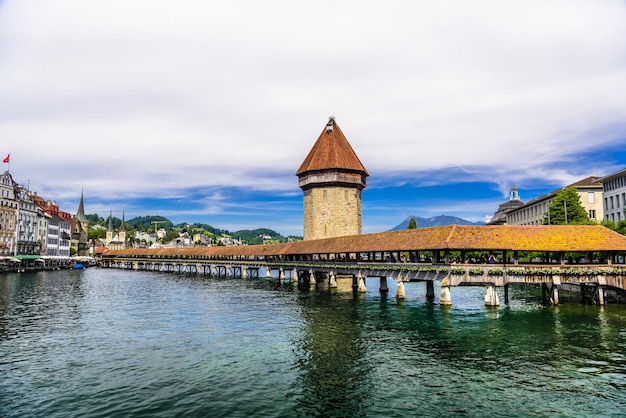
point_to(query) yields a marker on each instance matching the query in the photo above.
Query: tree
(566, 209)
(412, 224)
(620, 227)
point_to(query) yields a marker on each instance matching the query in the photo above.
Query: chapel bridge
(588, 259)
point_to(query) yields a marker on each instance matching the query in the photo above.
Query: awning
(27, 257)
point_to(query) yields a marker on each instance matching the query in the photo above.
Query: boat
(78, 266)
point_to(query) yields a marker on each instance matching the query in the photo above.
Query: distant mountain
(440, 220)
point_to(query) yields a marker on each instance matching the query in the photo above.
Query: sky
(202, 111)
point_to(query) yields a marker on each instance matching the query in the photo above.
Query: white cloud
(151, 98)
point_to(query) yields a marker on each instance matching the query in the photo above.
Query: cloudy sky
(202, 111)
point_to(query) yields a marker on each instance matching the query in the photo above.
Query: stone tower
(332, 178)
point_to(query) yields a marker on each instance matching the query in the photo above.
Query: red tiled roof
(331, 151)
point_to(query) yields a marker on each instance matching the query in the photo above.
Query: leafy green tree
(95, 219)
(412, 224)
(566, 209)
(95, 234)
(620, 227)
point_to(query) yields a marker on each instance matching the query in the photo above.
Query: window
(591, 198)
(592, 214)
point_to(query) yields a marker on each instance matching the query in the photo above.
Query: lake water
(116, 343)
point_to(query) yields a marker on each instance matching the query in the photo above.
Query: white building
(533, 212)
(27, 231)
(614, 196)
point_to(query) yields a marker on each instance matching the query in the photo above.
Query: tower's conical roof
(331, 151)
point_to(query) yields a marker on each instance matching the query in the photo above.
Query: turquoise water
(113, 343)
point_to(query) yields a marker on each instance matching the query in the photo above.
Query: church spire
(80, 213)
(111, 221)
(123, 226)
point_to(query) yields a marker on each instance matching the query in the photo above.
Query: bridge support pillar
(383, 285)
(445, 298)
(361, 287)
(430, 290)
(295, 275)
(400, 288)
(491, 297)
(550, 293)
(592, 293)
(600, 295)
(506, 293)
(244, 272)
(268, 273)
(555, 294)
(281, 274)
(332, 280)
(312, 281)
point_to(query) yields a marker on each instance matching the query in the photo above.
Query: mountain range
(440, 220)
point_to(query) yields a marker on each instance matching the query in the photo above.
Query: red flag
(6, 159)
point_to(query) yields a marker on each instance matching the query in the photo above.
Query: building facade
(534, 212)
(8, 214)
(115, 240)
(614, 196)
(332, 178)
(27, 228)
(58, 224)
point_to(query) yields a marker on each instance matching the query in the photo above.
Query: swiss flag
(6, 159)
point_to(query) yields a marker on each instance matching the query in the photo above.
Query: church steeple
(123, 226)
(122, 232)
(109, 237)
(80, 213)
(80, 233)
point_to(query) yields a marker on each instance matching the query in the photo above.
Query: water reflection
(116, 343)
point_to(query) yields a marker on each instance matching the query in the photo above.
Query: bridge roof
(468, 237)
(575, 238)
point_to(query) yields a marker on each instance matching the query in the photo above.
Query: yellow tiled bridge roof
(553, 238)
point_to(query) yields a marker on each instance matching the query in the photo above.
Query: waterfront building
(514, 202)
(332, 178)
(8, 214)
(533, 212)
(58, 227)
(614, 196)
(27, 227)
(80, 230)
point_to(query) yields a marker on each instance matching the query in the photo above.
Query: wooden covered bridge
(588, 258)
